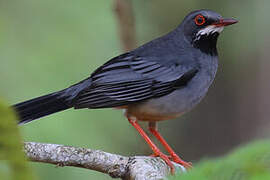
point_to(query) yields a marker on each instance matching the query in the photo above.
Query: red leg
(174, 156)
(155, 149)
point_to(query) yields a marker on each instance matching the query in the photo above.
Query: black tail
(41, 106)
(49, 104)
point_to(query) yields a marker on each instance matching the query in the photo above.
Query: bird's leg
(174, 157)
(155, 149)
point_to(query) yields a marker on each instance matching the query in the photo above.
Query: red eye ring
(199, 20)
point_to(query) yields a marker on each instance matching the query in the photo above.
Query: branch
(126, 24)
(117, 166)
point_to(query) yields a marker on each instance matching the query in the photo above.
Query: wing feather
(131, 79)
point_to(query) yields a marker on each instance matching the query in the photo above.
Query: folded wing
(128, 79)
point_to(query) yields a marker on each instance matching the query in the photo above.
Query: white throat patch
(211, 29)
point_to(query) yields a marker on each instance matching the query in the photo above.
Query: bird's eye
(199, 20)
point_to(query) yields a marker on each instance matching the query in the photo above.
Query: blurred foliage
(48, 45)
(13, 165)
(251, 162)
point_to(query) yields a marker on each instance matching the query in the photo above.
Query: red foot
(155, 149)
(175, 158)
(166, 159)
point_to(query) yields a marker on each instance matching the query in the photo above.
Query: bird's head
(202, 28)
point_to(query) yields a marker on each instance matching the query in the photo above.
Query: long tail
(49, 104)
(41, 106)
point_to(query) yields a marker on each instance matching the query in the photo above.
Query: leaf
(251, 162)
(13, 164)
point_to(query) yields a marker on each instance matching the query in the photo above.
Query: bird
(160, 80)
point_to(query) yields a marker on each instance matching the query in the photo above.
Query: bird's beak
(225, 22)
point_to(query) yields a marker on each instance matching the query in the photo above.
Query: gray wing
(128, 79)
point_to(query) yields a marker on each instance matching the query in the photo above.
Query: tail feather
(49, 104)
(41, 106)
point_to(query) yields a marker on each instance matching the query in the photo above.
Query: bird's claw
(175, 158)
(166, 159)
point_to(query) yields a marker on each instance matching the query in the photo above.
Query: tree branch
(126, 23)
(117, 166)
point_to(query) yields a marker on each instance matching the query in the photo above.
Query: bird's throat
(207, 43)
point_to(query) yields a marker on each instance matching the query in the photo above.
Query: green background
(46, 46)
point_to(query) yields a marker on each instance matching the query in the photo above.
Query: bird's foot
(166, 159)
(175, 158)
(154, 155)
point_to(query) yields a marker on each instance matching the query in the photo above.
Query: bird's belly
(171, 105)
(146, 113)
(167, 107)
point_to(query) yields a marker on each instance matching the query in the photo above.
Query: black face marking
(200, 31)
(207, 44)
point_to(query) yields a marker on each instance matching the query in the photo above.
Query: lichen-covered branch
(126, 23)
(117, 166)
